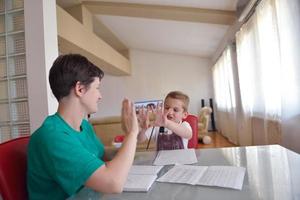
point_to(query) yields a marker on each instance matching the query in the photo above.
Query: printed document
(221, 176)
(139, 182)
(141, 177)
(145, 169)
(178, 156)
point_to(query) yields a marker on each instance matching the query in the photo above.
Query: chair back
(13, 169)
(193, 121)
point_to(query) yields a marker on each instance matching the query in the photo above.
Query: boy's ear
(185, 114)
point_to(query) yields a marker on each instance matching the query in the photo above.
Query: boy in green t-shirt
(64, 154)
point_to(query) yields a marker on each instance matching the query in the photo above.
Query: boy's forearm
(179, 130)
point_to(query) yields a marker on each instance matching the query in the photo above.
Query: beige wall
(153, 76)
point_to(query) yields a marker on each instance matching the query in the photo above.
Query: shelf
(12, 11)
(12, 55)
(14, 100)
(14, 109)
(13, 77)
(11, 33)
(14, 123)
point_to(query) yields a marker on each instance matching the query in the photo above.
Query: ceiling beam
(109, 37)
(74, 37)
(162, 12)
(83, 15)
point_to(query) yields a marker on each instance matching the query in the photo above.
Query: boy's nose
(170, 111)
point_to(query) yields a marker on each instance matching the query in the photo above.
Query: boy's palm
(160, 118)
(143, 118)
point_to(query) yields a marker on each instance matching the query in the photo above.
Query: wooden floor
(218, 141)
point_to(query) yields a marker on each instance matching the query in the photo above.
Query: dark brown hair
(67, 70)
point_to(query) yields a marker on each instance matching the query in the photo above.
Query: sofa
(107, 128)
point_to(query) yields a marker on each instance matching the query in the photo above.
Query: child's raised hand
(161, 117)
(143, 118)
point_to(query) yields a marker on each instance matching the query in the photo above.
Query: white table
(272, 172)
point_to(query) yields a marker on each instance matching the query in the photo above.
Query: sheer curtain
(288, 15)
(226, 93)
(260, 75)
(265, 107)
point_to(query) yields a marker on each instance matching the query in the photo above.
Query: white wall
(41, 50)
(153, 76)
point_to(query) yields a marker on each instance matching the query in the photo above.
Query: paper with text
(221, 176)
(188, 174)
(178, 156)
(139, 182)
(145, 169)
(141, 177)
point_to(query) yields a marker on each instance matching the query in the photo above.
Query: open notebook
(141, 177)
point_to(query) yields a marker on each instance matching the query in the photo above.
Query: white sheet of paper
(178, 156)
(221, 176)
(141, 177)
(145, 169)
(139, 182)
(183, 174)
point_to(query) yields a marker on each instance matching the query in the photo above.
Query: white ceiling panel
(168, 36)
(186, 38)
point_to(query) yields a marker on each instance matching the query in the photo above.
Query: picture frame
(149, 105)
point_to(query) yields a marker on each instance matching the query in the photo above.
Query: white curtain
(267, 109)
(259, 69)
(226, 93)
(288, 15)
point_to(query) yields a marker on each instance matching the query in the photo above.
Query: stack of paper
(141, 177)
(179, 156)
(221, 176)
(145, 169)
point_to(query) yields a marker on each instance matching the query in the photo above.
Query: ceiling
(160, 30)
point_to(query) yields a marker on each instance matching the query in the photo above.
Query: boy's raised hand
(143, 118)
(129, 119)
(161, 117)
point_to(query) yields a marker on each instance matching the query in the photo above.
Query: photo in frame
(149, 105)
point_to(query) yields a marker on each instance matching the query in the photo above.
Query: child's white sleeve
(186, 141)
(186, 124)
